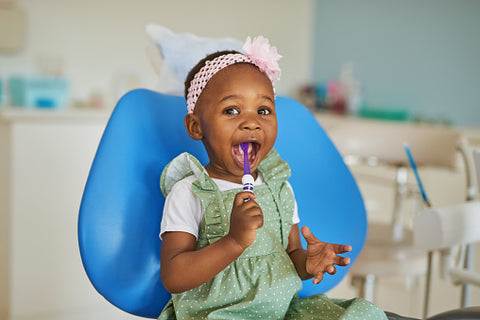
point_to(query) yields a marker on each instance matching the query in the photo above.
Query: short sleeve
(296, 218)
(182, 210)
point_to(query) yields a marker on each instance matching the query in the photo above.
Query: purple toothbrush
(247, 178)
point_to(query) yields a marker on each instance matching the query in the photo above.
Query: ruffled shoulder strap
(182, 166)
(275, 172)
(274, 169)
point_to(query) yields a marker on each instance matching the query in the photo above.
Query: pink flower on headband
(264, 56)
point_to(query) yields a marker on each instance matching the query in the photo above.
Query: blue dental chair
(121, 209)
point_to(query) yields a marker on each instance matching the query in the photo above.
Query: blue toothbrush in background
(417, 176)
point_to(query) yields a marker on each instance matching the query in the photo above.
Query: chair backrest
(121, 209)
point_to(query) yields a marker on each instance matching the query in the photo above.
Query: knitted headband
(257, 52)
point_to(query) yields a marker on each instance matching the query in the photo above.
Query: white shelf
(15, 114)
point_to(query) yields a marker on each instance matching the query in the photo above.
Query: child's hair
(201, 64)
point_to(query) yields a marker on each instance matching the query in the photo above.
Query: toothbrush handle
(247, 181)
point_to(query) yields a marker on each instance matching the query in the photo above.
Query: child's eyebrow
(267, 97)
(231, 96)
(235, 96)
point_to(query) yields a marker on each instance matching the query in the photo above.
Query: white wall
(419, 55)
(98, 40)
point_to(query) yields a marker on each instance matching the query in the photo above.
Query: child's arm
(319, 257)
(184, 268)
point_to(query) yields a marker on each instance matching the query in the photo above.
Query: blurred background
(419, 58)
(64, 64)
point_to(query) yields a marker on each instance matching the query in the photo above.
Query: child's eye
(264, 111)
(230, 111)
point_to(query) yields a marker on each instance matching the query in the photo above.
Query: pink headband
(257, 52)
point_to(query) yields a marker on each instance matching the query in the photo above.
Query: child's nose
(250, 124)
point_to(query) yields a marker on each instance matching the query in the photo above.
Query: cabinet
(45, 157)
(377, 185)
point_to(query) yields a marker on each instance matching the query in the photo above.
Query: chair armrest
(446, 227)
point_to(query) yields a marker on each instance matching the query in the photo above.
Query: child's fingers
(340, 248)
(342, 261)
(318, 273)
(310, 238)
(331, 270)
(320, 269)
(318, 278)
(258, 221)
(249, 209)
(308, 235)
(242, 196)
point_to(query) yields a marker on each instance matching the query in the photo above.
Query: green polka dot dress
(262, 283)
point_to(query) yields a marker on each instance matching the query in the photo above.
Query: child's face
(236, 106)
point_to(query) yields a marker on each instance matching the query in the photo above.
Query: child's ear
(192, 124)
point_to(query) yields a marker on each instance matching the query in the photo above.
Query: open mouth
(253, 148)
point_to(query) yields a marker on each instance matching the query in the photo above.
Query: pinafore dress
(262, 283)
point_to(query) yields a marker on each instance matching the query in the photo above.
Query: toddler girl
(228, 254)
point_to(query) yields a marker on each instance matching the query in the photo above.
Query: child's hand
(246, 218)
(321, 256)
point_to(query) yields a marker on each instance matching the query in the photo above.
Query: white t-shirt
(183, 210)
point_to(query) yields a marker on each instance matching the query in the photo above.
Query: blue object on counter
(38, 91)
